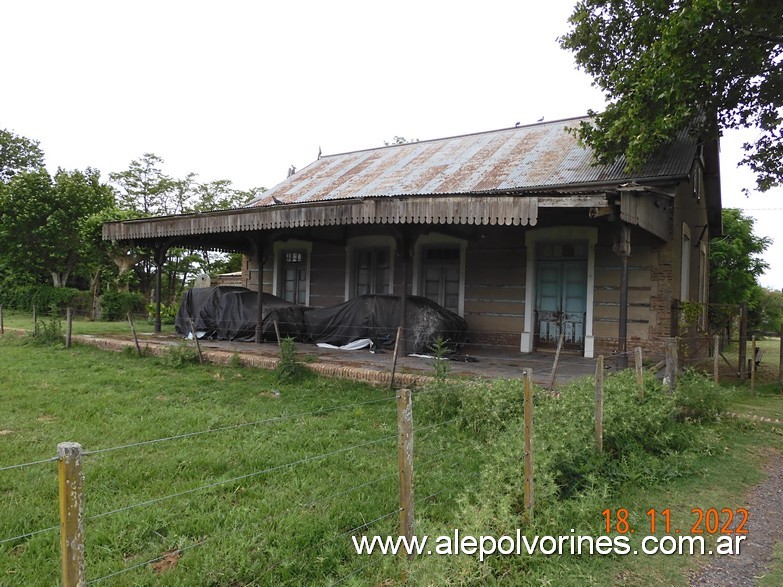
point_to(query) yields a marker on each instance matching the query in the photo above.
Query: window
(685, 268)
(441, 276)
(293, 277)
(372, 271)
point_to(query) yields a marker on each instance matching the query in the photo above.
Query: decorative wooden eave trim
(466, 209)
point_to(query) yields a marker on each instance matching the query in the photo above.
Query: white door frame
(558, 234)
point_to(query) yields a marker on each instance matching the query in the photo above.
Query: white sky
(243, 90)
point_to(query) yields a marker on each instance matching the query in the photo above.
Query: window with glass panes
(440, 270)
(294, 277)
(373, 268)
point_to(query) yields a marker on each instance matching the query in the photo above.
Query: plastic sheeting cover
(229, 313)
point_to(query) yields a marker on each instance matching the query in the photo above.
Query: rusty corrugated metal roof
(513, 160)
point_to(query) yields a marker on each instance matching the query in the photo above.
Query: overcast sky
(243, 90)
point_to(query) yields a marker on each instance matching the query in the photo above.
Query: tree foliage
(666, 65)
(735, 261)
(42, 219)
(18, 154)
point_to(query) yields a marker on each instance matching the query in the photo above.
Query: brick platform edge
(250, 360)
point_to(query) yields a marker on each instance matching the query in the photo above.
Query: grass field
(274, 502)
(23, 321)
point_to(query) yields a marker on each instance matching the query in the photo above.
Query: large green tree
(42, 219)
(736, 263)
(666, 65)
(18, 154)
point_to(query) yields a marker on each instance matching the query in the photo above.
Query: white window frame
(367, 242)
(280, 247)
(685, 263)
(436, 239)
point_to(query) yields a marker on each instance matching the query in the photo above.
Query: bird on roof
(540, 119)
(277, 200)
(517, 124)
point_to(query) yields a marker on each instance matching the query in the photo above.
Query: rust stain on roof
(512, 160)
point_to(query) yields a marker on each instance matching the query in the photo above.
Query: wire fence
(378, 515)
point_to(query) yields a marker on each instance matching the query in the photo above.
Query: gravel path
(765, 529)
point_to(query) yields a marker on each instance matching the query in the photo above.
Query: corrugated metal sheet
(513, 160)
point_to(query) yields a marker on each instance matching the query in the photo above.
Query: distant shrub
(45, 298)
(168, 313)
(115, 305)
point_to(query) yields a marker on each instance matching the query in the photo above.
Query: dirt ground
(765, 529)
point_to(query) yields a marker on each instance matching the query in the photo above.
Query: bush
(179, 356)
(45, 298)
(698, 398)
(168, 313)
(49, 332)
(115, 305)
(289, 369)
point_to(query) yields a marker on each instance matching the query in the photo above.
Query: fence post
(135, 338)
(670, 378)
(742, 350)
(780, 363)
(394, 359)
(71, 483)
(528, 488)
(553, 375)
(716, 358)
(2, 328)
(638, 364)
(405, 462)
(198, 344)
(68, 326)
(277, 334)
(599, 403)
(753, 365)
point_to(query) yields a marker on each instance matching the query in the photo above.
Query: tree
(144, 187)
(735, 264)
(41, 219)
(18, 154)
(667, 65)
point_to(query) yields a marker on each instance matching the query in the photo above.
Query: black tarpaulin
(229, 313)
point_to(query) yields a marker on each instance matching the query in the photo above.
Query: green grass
(80, 325)
(291, 525)
(284, 525)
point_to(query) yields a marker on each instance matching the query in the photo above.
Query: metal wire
(30, 464)
(239, 478)
(29, 534)
(179, 552)
(234, 426)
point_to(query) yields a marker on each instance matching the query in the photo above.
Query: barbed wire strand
(29, 534)
(235, 426)
(30, 464)
(239, 478)
(326, 542)
(178, 552)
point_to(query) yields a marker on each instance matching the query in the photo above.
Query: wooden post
(553, 375)
(639, 365)
(670, 378)
(599, 403)
(742, 350)
(405, 462)
(753, 365)
(716, 358)
(68, 326)
(528, 464)
(135, 338)
(198, 344)
(780, 362)
(394, 359)
(277, 332)
(71, 483)
(2, 328)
